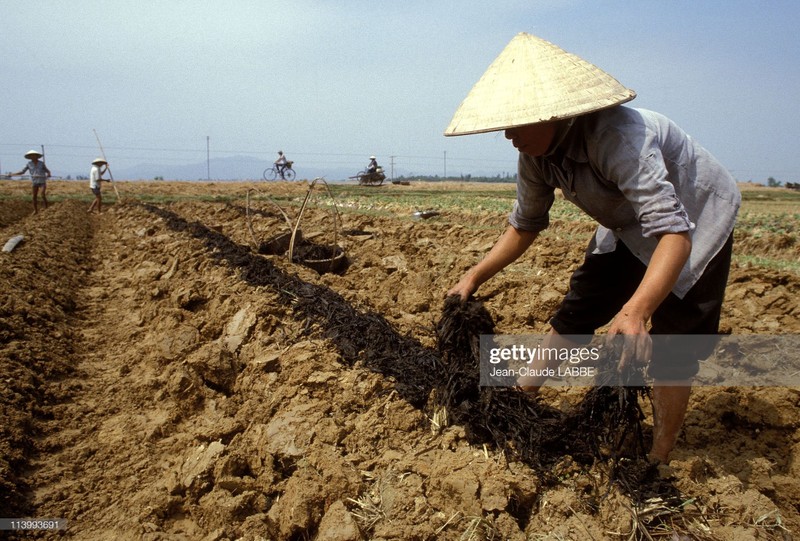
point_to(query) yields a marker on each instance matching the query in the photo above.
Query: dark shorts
(95, 191)
(605, 282)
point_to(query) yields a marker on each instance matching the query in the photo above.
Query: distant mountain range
(235, 168)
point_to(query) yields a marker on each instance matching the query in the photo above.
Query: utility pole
(445, 165)
(391, 161)
(208, 159)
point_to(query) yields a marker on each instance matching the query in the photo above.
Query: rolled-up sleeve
(634, 162)
(531, 210)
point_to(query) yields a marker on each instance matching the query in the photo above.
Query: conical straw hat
(32, 153)
(99, 161)
(533, 81)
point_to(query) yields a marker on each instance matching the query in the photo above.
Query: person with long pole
(111, 177)
(99, 166)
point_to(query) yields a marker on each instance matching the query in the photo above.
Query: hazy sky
(332, 81)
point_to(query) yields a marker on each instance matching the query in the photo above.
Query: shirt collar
(561, 133)
(568, 143)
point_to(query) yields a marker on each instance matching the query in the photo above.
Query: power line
(434, 159)
(56, 150)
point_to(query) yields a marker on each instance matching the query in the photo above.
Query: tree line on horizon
(499, 178)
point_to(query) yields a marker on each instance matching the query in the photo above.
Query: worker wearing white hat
(659, 260)
(373, 165)
(99, 166)
(39, 174)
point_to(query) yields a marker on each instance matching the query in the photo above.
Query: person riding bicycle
(281, 164)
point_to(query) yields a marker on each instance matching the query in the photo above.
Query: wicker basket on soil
(279, 244)
(321, 258)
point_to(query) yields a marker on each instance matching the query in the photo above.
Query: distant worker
(373, 165)
(99, 166)
(281, 164)
(39, 175)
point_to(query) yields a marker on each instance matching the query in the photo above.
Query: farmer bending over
(658, 262)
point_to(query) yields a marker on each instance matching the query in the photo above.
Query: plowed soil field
(161, 379)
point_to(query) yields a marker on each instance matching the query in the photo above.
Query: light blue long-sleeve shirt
(37, 170)
(639, 176)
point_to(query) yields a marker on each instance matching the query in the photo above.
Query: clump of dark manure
(605, 425)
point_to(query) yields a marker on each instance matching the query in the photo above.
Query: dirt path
(97, 437)
(118, 428)
(164, 382)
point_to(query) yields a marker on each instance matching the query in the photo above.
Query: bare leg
(670, 401)
(35, 198)
(44, 195)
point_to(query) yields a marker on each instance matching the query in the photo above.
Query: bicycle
(274, 173)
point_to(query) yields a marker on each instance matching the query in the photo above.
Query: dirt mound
(164, 380)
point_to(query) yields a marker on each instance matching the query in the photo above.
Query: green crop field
(766, 233)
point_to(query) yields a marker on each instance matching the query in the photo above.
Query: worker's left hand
(637, 346)
(464, 288)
